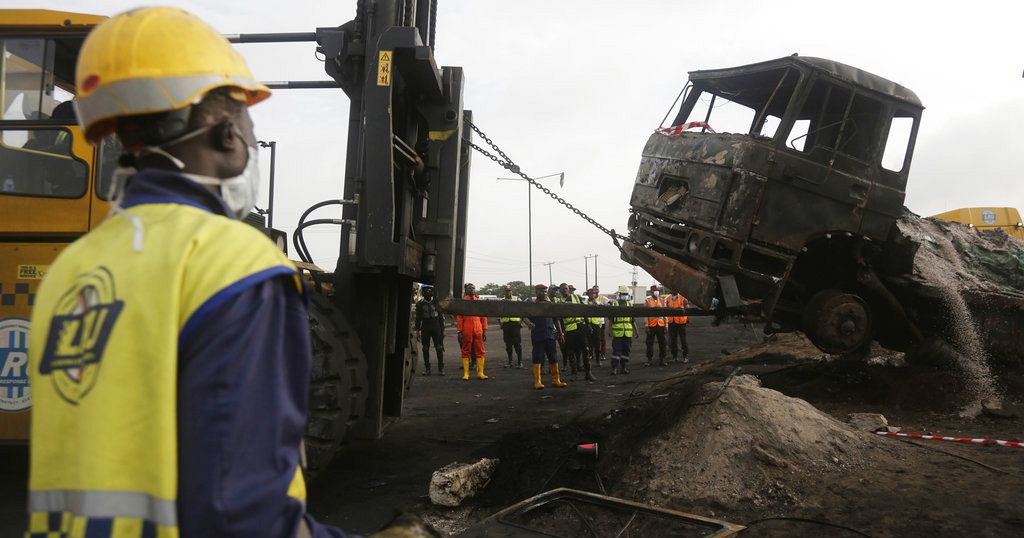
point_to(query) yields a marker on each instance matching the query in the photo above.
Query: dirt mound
(750, 447)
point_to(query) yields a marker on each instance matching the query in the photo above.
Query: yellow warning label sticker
(384, 68)
(32, 272)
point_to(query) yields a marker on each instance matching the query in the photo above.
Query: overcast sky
(578, 86)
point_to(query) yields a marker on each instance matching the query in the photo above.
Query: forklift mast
(407, 169)
(405, 189)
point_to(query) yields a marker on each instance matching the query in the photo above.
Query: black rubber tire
(818, 306)
(338, 385)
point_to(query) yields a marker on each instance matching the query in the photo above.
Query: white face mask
(655, 294)
(239, 192)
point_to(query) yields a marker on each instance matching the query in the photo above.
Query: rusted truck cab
(767, 186)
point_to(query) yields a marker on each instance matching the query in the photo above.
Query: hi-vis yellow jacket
(103, 363)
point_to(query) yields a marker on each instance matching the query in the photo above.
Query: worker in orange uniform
(472, 335)
(655, 327)
(677, 328)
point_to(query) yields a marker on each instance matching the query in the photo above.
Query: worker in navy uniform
(430, 324)
(601, 300)
(575, 330)
(511, 332)
(595, 328)
(544, 333)
(555, 296)
(179, 407)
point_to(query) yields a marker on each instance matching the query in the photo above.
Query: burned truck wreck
(777, 190)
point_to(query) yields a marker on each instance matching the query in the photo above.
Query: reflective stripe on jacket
(596, 320)
(677, 301)
(660, 303)
(571, 323)
(503, 321)
(108, 323)
(622, 326)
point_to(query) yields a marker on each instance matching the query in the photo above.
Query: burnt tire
(837, 322)
(337, 383)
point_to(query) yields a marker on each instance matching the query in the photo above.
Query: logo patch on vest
(79, 331)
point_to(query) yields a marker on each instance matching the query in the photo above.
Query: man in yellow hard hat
(170, 352)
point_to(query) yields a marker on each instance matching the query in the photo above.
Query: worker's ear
(225, 136)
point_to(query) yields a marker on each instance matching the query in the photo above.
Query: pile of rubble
(749, 447)
(979, 281)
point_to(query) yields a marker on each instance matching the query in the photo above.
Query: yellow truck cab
(987, 218)
(53, 184)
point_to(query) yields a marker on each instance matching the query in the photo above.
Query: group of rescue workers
(581, 340)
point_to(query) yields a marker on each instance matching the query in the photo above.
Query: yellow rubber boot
(536, 377)
(556, 376)
(480, 368)
(465, 368)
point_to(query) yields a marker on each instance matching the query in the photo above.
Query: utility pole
(551, 279)
(634, 276)
(586, 268)
(529, 212)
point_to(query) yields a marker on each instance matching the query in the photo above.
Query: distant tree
(490, 289)
(519, 289)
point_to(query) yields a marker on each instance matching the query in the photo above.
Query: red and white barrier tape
(678, 129)
(954, 439)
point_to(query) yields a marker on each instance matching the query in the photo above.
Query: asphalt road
(445, 419)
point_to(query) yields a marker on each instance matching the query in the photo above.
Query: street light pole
(551, 279)
(529, 228)
(529, 211)
(587, 269)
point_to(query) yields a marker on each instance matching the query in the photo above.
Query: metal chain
(506, 162)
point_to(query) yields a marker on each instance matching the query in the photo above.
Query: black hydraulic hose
(300, 242)
(297, 238)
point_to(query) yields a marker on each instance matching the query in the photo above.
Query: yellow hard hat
(152, 60)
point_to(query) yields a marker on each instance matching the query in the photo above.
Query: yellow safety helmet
(152, 60)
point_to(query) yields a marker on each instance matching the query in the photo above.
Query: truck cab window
(898, 141)
(39, 162)
(31, 87)
(752, 103)
(722, 114)
(860, 129)
(835, 120)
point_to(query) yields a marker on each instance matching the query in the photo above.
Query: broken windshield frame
(751, 103)
(810, 114)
